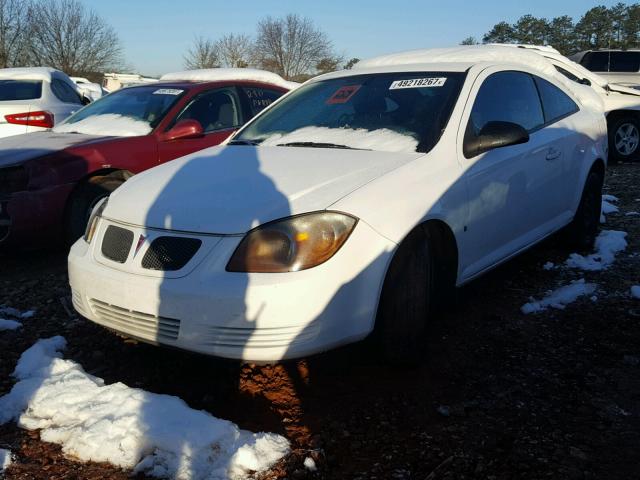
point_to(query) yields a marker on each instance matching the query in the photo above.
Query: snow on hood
(229, 190)
(20, 148)
(225, 74)
(109, 124)
(499, 54)
(382, 140)
(158, 435)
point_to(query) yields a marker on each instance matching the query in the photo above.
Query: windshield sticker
(168, 91)
(418, 83)
(343, 94)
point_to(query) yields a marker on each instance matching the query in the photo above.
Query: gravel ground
(501, 395)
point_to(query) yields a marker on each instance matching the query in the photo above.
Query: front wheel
(406, 301)
(82, 202)
(624, 139)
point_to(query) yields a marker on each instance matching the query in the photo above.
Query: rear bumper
(33, 218)
(251, 317)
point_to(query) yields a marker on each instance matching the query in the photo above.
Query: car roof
(198, 84)
(30, 73)
(230, 74)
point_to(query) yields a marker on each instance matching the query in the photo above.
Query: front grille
(143, 325)
(117, 243)
(262, 337)
(170, 253)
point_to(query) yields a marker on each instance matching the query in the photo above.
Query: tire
(581, 233)
(81, 204)
(406, 302)
(624, 139)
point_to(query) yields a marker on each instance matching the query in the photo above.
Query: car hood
(623, 89)
(20, 148)
(229, 190)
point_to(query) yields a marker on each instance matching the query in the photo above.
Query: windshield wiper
(243, 142)
(317, 145)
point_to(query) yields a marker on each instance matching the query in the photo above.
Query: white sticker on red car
(168, 91)
(418, 83)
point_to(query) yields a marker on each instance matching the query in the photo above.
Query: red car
(50, 181)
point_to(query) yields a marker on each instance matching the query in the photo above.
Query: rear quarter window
(260, 98)
(555, 103)
(20, 90)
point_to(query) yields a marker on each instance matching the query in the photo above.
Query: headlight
(292, 244)
(96, 213)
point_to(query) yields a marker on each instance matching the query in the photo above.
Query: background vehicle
(35, 99)
(354, 204)
(621, 104)
(617, 66)
(90, 90)
(50, 181)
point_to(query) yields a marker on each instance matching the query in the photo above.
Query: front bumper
(33, 217)
(251, 317)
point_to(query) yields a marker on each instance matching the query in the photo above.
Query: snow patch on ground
(310, 464)
(109, 125)
(549, 266)
(9, 324)
(608, 244)
(383, 139)
(5, 459)
(607, 206)
(158, 435)
(632, 214)
(560, 297)
(635, 291)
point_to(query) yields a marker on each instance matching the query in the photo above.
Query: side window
(507, 97)
(260, 98)
(555, 103)
(64, 92)
(215, 110)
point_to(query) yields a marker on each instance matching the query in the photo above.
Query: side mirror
(184, 129)
(494, 135)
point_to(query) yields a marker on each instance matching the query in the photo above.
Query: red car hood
(20, 148)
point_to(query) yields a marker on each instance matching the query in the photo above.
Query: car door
(565, 149)
(69, 101)
(508, 188)
(219, 113)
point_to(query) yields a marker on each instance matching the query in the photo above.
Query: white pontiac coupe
(351, 205)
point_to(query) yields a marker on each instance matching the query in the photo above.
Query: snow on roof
(28, 73)
(499, 54)
(223, 74)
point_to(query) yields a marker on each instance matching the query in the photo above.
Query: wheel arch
(446, 255)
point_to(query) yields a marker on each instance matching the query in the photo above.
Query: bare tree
(14, 26)
(67, 36)
(235, 50)
(291, 46)
(202, 54)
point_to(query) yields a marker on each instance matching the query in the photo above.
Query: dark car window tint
(64, 92)
(20, 89)
(260, 98)
(612, 61)
(507, 97)
(215, 110)
(555, 103)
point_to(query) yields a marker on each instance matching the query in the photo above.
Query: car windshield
(20, 89)
(127, 112)
(403, 112)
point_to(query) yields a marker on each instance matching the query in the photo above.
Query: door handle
(552, 154)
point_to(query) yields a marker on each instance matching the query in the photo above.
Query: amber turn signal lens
(292, 244)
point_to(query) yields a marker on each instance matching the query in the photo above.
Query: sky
(155, 34)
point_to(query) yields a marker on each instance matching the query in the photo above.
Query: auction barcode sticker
(168, 91)
(418, 83)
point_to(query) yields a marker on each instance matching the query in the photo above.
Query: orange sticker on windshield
(344, 94)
